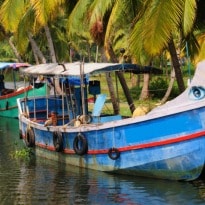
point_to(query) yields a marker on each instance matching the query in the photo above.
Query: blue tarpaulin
(75, 80)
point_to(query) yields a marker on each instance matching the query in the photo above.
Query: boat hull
(149, 148)
(184, 167)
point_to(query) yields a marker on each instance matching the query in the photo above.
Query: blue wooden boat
(168, 142)
(10, 91)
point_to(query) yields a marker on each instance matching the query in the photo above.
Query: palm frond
(156, 26)
(189, 15)
(136, 44)
(99, 8)
(10, 13)
(77, 22)
(46, 9)
(119, 24)
(26, 25)
(201, 41)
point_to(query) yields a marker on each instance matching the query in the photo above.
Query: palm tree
(83, 25)
(156, 25)
(110, 27)
(77, 28)
(45, 14)
(26, 19)
(34, 13)
(9, 15)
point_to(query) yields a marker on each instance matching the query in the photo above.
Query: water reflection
(38, 181)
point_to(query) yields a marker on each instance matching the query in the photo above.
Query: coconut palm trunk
(168, 92)
(15, 50)
(126, 91)
(176, 65)
(122, 81)
(52, 56)
(36, 51)
(145, 88)
(110, 84)
(114, 100)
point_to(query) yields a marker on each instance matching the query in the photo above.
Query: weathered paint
(177, 155)
(168, 142)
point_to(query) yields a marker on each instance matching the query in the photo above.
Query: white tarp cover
(67, 69)
(44, 69)
(77, 69)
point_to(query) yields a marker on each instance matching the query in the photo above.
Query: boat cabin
(80, 101)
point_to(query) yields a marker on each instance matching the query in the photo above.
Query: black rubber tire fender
(113, 153)
(58, 141)
(80, 144)
(30, 137)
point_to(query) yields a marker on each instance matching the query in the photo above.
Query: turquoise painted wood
(10, 94)
(8, 102)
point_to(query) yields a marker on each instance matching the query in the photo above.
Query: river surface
(36, 181)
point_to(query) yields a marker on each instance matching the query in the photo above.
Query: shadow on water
(42, 182)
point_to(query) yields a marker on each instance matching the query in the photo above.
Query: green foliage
(156, 24)
(135, 92)
(175, 92)
(158, 87)
(10, 13)
(24, 153)
(10, 75)
(6, 53)
(188, 70)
